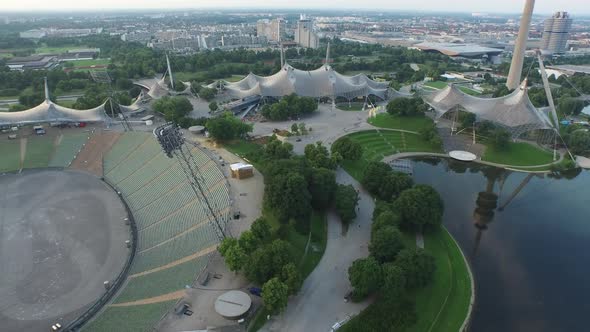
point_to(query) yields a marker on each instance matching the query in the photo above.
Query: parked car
(255, 291)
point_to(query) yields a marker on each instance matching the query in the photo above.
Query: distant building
(556, 32)
(33, 34)
(304, 35)
(34, 62)
(273, 30)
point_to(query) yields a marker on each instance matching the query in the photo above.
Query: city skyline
(576, 7)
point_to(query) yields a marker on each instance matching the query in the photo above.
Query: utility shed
(241, 170)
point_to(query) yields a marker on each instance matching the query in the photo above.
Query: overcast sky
(576, 7)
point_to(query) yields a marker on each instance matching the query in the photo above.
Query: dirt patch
(90, 158)
(156, 299)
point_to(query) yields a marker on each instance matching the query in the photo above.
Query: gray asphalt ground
(62, 235)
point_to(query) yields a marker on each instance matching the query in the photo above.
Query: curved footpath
(479, 161)
(320, 302)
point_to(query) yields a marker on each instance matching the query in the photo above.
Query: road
(320, 302)
(15, 101)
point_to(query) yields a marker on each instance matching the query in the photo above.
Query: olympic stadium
(101, 230)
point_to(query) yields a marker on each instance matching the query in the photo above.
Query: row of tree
(294, 187)
(289, 107)
(392, 270)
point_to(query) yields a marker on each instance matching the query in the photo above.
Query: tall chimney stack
(520, 46)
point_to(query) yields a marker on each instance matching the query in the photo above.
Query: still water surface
(530, 254)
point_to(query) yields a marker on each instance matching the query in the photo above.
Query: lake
(527, 239)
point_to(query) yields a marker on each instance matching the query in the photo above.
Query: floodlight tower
(173, 144)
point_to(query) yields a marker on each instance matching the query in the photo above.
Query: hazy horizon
(575, 7)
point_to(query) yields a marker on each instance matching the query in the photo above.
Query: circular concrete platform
(462, 155)
(62, 234)
(233, 304)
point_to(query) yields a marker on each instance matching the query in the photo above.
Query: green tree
(234, 255)
(294, 129)
(291, 277)
(406, 106)
(213, 106)
(394, 281)
(500, 138)
(267, 261)
(275, 295)
(386, 219)
(393, 184)
(570, 106)
(227, 127)
(261, 229)
(365, 277)
(373, 176)
(319, 157)
(248, 241)
(420, 208)
(345, 202)
(207, 93)
(322, 187)
(17, 108)
(288, 196)
(275, 149)
(386, 243)
(173, 108)
(578, 142)
(418, 266)
(347, 148)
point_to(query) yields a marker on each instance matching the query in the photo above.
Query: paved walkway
(320, 302)
(479, 161)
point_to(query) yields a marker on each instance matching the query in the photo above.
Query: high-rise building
(555, 32)
(273, 30)
(304, 35)
(513, 80)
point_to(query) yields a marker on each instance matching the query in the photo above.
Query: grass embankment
(443, 304)
(518, 154)
(378, 144)
(411, 123)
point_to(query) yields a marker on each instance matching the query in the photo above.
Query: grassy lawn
(518, 154)
(39, 150)
(133, 319)
(66, 103)
(88, 63)
(442, 305)
(412, 123)
(378, 144)
(469, 91)
(10, 152)
(355, 107)
(62, 49)
(8, 97)
(436, 84)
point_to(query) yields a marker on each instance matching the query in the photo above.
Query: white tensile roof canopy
(514, 112)
(48, 111)
(321, 82)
